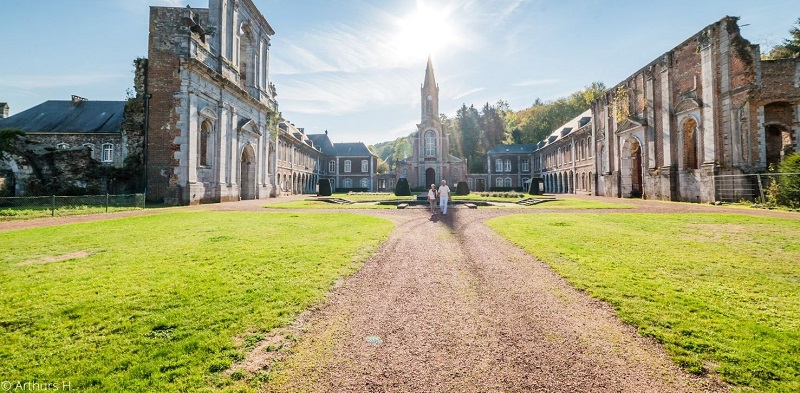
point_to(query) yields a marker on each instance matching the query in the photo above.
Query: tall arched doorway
(779, 143)
(631, 169)
(247, 179)
(430, 177)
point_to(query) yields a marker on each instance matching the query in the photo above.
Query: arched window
(364, 166)
(690, 160)
(364, 183)
(430, 143)
(590, 181)
(589, 145)
(499, 182)
(347, 183)
(205, 136)
(108, 153)
(508, 182)
(347, 166)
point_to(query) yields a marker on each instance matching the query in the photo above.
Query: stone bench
(402, 205)
(471, 205)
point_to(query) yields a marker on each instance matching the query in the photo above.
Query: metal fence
(749, 187)
(12, 208)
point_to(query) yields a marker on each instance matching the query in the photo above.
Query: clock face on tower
(430, 97)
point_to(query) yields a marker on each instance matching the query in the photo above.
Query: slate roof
(68, 118)
(352, 149)
(565, 129)
(322, 142)
(513, 149)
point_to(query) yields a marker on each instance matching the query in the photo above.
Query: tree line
(473, 131)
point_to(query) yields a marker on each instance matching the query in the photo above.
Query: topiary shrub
(789, 181)
(462, 188)
(533, 188)
(324, 187)
(402, 188)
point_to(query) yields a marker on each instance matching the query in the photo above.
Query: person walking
(432, 198)
(444, 195)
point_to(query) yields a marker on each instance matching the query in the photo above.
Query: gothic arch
(247, 173)
(631, 170)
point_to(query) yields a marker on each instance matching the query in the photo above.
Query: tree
(790, 49)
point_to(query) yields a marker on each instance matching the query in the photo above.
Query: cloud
(537, 82)
(460, 95)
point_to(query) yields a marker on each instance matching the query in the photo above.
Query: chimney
(76, 100)
(302, 130)
(3, 110)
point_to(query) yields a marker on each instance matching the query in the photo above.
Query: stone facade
(709, 106)
(564, 161)
(212, 111)
(509, 167)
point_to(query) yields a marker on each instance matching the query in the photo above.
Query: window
(499, 182)
(589, 145)
(405, 173)
(469, 183)
(430, 143)
(205, 135)
(508, 182)
(498, 165)
(364, 183)
(347, 183)
(332, 166)
(347, 166)
(391, 183)
(108, 152)
(91, 149)
(62, 146)
(455, 176)
(364, 166)
(525, 167)
(508, 165)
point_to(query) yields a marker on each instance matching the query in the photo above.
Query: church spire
(430, 81)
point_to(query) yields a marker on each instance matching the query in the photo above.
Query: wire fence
(20, 208)
(746, 187)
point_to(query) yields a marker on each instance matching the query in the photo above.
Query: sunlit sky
(355, 67)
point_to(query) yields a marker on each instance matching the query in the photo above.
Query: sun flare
(426, 31)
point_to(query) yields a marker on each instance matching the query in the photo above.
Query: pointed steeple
(430, 81)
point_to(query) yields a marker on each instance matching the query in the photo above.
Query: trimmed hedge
(462, 188)
(402, 188)
(324, 187)
(353, 189)
(506, 189)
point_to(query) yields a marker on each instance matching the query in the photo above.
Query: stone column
(707, 67)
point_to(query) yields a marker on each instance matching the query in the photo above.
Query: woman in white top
(432, 198)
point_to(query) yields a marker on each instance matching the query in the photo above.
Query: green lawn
(15, 213)
(371, 197)
(156, 303)
(308, 204)
(721, 292)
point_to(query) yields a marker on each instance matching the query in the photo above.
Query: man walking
(444, 195)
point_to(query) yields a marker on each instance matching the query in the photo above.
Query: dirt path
(449, 306)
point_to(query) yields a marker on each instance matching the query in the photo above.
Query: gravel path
(450, 306)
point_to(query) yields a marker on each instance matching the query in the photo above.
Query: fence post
(761, 189)
(106, 202)
(52, 206)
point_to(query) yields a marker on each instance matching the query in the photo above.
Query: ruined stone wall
(167, 43)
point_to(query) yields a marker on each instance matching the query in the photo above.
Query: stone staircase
(338, 201)
(532, 201)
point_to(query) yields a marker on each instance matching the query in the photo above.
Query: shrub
(324, 187)
(402, 188)
(789, 184)
(462, 188)
(352, 189)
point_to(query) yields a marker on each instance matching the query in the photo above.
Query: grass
(307, 204)
(14, 213)
(719, 291)
(371, 197)
(569, 203)
(156, 303)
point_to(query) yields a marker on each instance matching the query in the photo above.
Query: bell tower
(430, 95)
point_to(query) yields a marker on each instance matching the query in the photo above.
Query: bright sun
(424, 32)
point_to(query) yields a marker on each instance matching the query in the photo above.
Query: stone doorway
(631, 184)
(247, 179)
(779, 144)
(430, 177)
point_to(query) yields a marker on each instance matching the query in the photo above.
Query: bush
(533, 188)
(352, 189)
(402, 188)
(462, 188)
(324, 187)
(789, 184)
